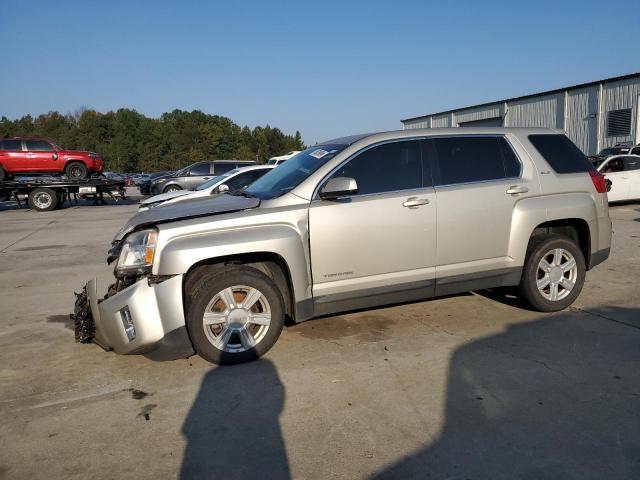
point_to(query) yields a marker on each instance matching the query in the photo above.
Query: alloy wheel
(236, 319)
(556, 274)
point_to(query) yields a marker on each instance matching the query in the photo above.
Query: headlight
(138, 250)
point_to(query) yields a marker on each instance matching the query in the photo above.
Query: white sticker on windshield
(318, 153)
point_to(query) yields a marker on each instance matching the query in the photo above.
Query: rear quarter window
(561, 153)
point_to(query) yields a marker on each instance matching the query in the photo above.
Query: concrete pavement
(468, 386)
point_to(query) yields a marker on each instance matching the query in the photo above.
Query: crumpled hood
(198, 207)
(163, 197)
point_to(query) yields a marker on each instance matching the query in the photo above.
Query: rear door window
(11, 145)
(561, 153)
(39, 146)
(220, 168)
(467, 159)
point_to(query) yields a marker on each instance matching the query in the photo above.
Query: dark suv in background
(39, 155)
(190, 177)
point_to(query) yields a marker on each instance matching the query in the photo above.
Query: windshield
(292, 172)
(211, 182)
(272, 161)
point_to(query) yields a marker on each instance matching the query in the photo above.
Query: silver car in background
(231, 181)
(194, 175)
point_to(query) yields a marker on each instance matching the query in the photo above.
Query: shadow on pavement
(556, 398)
(232, 429)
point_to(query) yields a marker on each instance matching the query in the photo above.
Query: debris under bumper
(142, 318)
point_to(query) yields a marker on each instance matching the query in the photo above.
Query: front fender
(531, 212)
(179, 254)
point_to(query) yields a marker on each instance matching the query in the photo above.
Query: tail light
(598, 181)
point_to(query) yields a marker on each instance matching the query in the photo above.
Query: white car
(282, 158)
(624, 173)
(231, 181)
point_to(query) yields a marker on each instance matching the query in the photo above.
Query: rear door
(41, 156)
(12, 157)
(198, 173)
(478, 181)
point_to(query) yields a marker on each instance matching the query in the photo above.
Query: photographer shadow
(232, 429)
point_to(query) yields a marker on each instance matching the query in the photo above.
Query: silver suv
(194, 175)
(355, 222)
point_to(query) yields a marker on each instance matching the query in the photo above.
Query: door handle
(517, 189)
(415, 202)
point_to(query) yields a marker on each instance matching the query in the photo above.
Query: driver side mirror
(223, 188)
(339, 187)
(54, 156)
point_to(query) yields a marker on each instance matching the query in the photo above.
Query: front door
(378, 245)
(632, 168)
(613, 169)
(198, 174)
(479, 180)
(41, 156)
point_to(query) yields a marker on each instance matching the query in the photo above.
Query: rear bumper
(142, 318)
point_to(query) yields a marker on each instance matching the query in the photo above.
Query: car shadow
(232, 430)
(505, 295)
(556, 398)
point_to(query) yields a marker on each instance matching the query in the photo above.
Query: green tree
(129, 141)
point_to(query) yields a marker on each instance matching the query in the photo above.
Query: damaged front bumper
(142, 318)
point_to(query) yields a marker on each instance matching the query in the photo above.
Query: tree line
(131, 142)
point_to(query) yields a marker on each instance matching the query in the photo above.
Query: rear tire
(223, 331)
(76, 170)
(553, 274)
(43, 199)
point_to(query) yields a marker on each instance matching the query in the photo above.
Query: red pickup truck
(39, 155)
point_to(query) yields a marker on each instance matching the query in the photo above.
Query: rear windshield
(561, 153)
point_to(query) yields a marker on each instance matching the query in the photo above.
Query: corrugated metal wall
(584, 119)
(546, 112)
(582, 123)
(482, 113)
(440, 121)
(616, 96)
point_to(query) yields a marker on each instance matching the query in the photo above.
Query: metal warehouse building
(595, 115)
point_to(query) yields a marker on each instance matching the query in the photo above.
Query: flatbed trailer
(47, 194)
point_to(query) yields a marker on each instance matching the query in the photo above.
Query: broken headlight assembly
(137, 252)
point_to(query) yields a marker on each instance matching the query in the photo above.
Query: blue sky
(325, 68)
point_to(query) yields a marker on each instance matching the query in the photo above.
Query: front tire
(171, 188)
(234, 314)
(553, 274)
(43, 199)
